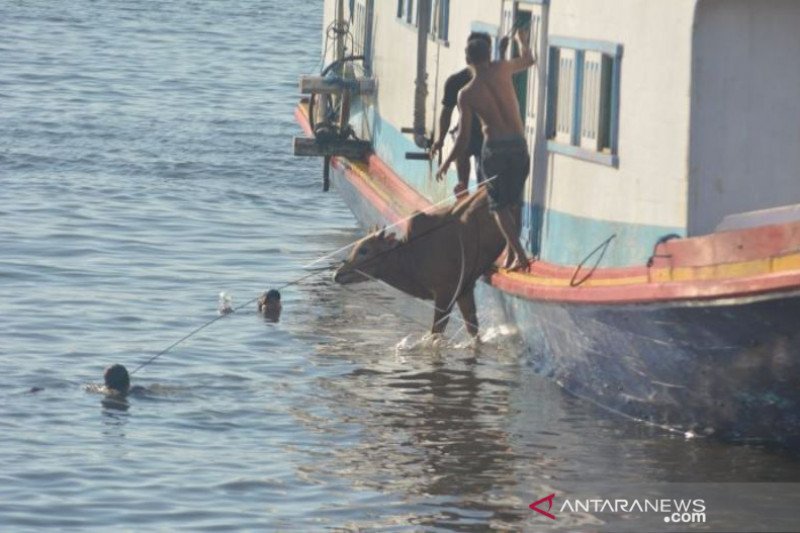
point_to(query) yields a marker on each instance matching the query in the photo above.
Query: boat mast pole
(340, 35)
(421, 83)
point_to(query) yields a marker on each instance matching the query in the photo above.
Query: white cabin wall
(394, 67)
(451, 55)
(396, 72)
(649, 186)
(745, 134)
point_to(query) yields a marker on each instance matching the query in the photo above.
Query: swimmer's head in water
(116, 378)
(269, 304)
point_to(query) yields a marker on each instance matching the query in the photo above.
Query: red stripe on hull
(707, 251)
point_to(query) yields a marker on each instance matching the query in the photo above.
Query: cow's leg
(466, 304)
(441, 313)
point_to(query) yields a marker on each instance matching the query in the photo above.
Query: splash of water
(499, 333)
(225, 305)
(416, 342)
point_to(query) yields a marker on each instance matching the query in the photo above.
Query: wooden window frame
(574, 148)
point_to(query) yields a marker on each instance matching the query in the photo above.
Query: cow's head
(367, 258)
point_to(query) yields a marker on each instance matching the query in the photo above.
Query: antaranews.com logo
(674, 511)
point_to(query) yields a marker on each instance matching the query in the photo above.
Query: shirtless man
(504, 158)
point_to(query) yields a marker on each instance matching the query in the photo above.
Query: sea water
(146, 167)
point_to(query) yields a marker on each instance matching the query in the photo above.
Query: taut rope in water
(209, 322)
(399, 222)
(203, 326)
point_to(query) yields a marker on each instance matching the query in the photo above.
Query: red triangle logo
(549, 499)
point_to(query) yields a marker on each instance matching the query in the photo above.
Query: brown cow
(440, 259)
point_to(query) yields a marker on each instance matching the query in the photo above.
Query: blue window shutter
(552, 91)
(577, 99)
(614, 118)
(445, 30)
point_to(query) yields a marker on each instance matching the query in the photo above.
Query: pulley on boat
(329, 99)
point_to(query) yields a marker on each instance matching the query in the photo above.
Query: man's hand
(524, 36)
(442, 173)
(436, 147)
(526, 57)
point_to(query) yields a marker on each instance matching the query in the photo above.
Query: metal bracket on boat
(336, 85)
(329, 117)
(659, 242)
(419, 156)
(330, 96)
(349, 148)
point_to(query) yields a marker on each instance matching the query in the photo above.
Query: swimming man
(118, 381)
(269, 305)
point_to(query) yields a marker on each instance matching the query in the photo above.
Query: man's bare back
(490, 95)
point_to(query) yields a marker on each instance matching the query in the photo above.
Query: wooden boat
(663, 199)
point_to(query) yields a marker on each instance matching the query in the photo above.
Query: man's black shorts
(505, 164)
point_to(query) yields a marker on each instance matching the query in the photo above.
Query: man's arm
(444, 126)
(525, 59)
(462, 139)
(504, 42)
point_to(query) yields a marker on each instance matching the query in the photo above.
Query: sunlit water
(145, 167)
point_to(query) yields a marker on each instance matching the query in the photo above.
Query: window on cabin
(405, 11)
(582, 107)
(362, 31)
(440, 19)
(596, 104)
(565, 110)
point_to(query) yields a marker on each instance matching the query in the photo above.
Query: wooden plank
(319, 85)
(309, 147)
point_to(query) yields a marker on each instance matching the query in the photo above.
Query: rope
(433, 306)
(427, 210)
(301, 278)
(604, 247)
(435, 118)
(208, 323)
(393, 311)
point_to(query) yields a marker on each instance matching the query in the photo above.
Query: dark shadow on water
(114, 404)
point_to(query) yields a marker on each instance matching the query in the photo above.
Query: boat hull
(711, 356)
(722, 367)
(727, 368)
